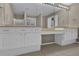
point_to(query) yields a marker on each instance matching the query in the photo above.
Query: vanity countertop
(46, 31)
(52, 29)
(67, 26)
(18, 26)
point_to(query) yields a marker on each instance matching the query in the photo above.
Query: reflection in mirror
(60, 15)
(53, 21)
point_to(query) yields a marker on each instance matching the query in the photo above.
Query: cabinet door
(74, 34)
(67, 34)
(15, 40)
(32, 39)
(71, 34)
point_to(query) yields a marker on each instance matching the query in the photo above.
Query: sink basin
(59, 28)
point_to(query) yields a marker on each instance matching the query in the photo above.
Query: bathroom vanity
(62, 36)
(68, 36)
(15, 40)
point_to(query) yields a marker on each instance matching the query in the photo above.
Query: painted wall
(74, 15)
(45, 21)
(38, 21)
(6, 14)
(1, 14)
(62, 17)
(69, 17)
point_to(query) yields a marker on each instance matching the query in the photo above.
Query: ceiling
(33, 9)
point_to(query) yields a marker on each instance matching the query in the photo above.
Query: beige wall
(22, 16)
(1, 15)
(6, 14)
(62, 17)
(69, 17)
(74, 15)
(38, 21)
(45, 21)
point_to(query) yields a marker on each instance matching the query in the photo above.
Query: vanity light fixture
(59, 5)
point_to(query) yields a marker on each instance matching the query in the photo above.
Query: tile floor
(56, 50)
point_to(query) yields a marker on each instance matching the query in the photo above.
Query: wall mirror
(60, 15)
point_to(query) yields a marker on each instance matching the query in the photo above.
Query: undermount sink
(59, 28)
(52, 29)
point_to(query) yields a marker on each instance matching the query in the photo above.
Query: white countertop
(52, 31)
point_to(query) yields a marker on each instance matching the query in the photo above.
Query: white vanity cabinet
(33, 39)
(69, 36)
(15, 41)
